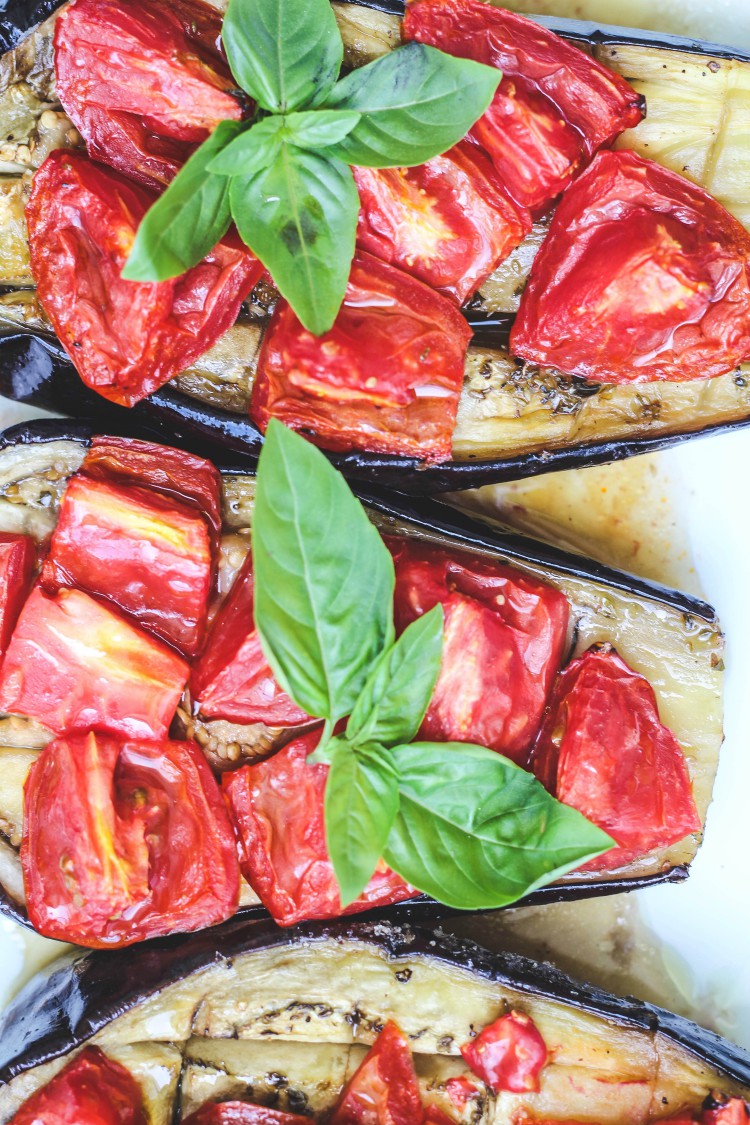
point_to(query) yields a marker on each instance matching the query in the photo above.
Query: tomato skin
(143, 82)
(603, 750)
(242, 1113)
(386, 378)
(447, 222)
(90, 1090)
(555, 105)
(384, 1088)
(125, 841)
(233, 680)
(642, 277)
(276, 807)
(17, 559)
(728, 1111)
(74, 664)
(509, 1054)
(125, 338)
(504, 639)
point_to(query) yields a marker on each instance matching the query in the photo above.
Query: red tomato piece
(448, 222)
(74, 664)
(728, 1111)
(503, 644)
(604, 751)
(384, 1088)
(643, 276)
(90, 1090)
(461, 1091)
(276, 807)
(233, 680)
(17, 558)
(433, 1115)
(386, 378)
(554, 107)
(509, 1054)
(242, 1113)
(143, 82)
(151, 558)
(126, 338)
(125, 841)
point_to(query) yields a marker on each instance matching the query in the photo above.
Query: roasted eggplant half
(514, 419)
(283, 1019)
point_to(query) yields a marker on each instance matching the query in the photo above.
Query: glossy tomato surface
(125, 338)
(242, 1113)
(233, 680)
(143, 82)
(729, 1111)
(447, 222)
(125, 841)
(509, 1054)
(90, 1090)
(384, 1088)
(504, 640)
(554, 107)
(17, 558)
(604, 750)
(643, 276)
(386, 378)
(75, 664)
(276, 807)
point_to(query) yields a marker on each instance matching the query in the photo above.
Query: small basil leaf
(399, 688)
(284, 53)
(300, 218)
(254, 150)
(319, 128)
(188, 220)
(416, 102)
(323, 754)
(323, 577)
(361, 802)
(475, 831)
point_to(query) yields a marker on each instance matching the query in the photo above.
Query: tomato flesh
(242, 1113)
(604, 751)
(643, 277)
(276, 807)
(17, 558)
(90, 1090)
(140, 82)
(447, 222)
(508, 1055)
(125, 338)
(233, 680)
(731, 1111)
(504, 638)
(74, 664)
(386, 378)
(555, 105)
(384, 1088)
(125, 841)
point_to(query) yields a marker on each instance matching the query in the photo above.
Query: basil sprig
(457, 821)
(284, 177)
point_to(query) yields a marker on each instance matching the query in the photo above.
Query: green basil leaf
(323, 577)
(284, 53)
(361, 802)
(319, 128)
(416, 102)
(300, 218)
(326, 749)
(399, 688)
(475, 831)
(254, 150)
(188, 220)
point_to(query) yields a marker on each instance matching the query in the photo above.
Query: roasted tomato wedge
(603, 750)
(242, 1113)
(509, 1055)
(448, 222)
(125, 841)
(126, 338)
(233, 680)
(17, 558)
(643, 276)
(151, 557)
(504, 641)
(384, 1089)
(554, 107)
(276, 807)
(143, 81)
(75, 664)
(386, 378)
(90, 1090)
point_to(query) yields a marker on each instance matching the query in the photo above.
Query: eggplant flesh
(674, 640)
(284, 1018)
